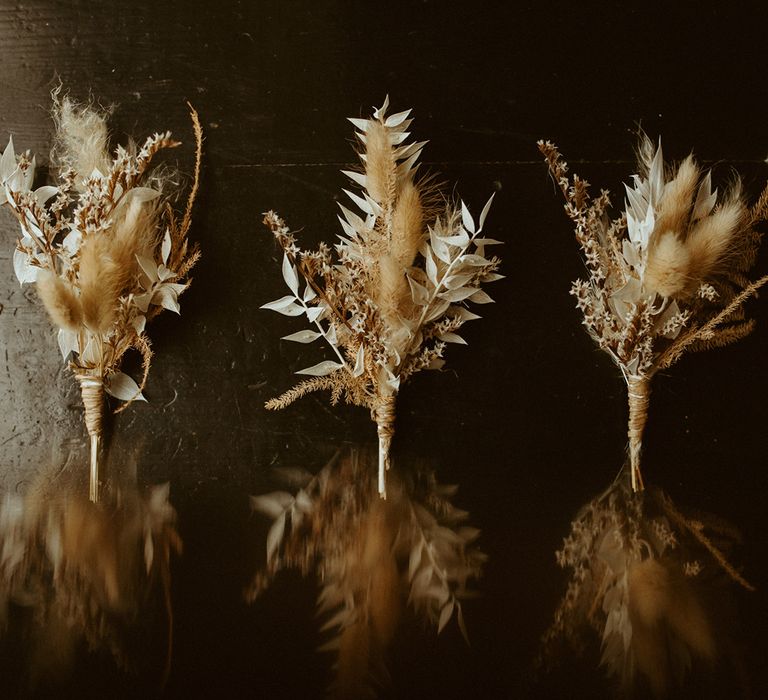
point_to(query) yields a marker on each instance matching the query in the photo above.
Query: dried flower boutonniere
(105, 248)
(667, 275)
(393, 294)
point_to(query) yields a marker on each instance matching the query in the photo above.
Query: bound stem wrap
(92, 391)
(638, 392)
(384, 415)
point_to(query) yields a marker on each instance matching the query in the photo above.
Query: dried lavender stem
(92, 391)
(638, 393)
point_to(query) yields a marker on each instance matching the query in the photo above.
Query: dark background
(529, 419)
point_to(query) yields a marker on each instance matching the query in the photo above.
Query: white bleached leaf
(44, 193)
(361, 202)
(290, 275)
(397, 119)
(284, 305)
(25, 272)
(7, 161)
(458, 241)
(485, 211)
(309, 293)
(452, 338)
(414, 560)
(306, 336)
(464, 313)
(436, 363)
(705, 198)
(142, 301)
(139, 323)
(431, 268)
(466, 219)
(458, 294)
(487, 241)
(480, 297)
(437, 310)
(166, 297)
(359, 178)
(361, 124)
(314, 312)
(122, 387)
(381, 111)
(418, 292)
(272, 504)
(359, 362)
(72, 241)
(149, 267)
(67, 341)
(165, 249)
(321, 369)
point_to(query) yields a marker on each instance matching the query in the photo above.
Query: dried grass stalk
(668, 275)
(372, 556)
(104, 246)
(394, 293)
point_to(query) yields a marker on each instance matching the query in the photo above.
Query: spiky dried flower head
(372, 556)
(669, 274)
(104, 245)
(394, 292)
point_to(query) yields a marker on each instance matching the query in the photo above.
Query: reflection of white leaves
(122, 387)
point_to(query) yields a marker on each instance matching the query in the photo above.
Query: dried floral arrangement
(668, 275)
(643, 576)
(104, 247)
(393, 294)
(86, 571)
(372, 557)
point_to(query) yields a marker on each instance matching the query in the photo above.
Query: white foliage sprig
(393, 291)
(372, 557)
(668, 275)
(105, 248)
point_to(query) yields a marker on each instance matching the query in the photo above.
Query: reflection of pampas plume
(371, 556)
(639, 568)
(85, 571)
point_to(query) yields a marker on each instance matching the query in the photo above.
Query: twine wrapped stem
(92, 391)
(384, 415)
(638, 392)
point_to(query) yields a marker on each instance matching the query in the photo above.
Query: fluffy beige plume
(407, 224)
(675, 206)
(81, 139)
(392, 293)
(668, 271)
(60, 301)
(379, 162)
(108, 264)
(663, 608)
(713, 238)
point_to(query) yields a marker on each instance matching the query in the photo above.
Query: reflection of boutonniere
(104, 247)
(392, 292)
(668, 275)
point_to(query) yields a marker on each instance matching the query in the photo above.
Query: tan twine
(384, 415)
(638, 392)
(92, 391)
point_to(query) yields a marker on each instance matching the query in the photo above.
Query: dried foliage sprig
(372, 556)
(104, 247)
(88, 571)
(639, 568)
(668, 275)
(393, 294)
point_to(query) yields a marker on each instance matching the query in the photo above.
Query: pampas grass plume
(379, 162)
(81, 138)
(407, 224)
(60, 301)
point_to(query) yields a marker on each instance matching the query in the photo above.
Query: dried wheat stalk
(372, 557)
(105, 248)
(393, 295)
(668, 275)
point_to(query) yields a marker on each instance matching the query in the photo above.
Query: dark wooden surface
(529, 419)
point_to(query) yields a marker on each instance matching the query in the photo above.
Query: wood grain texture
(530, 419)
